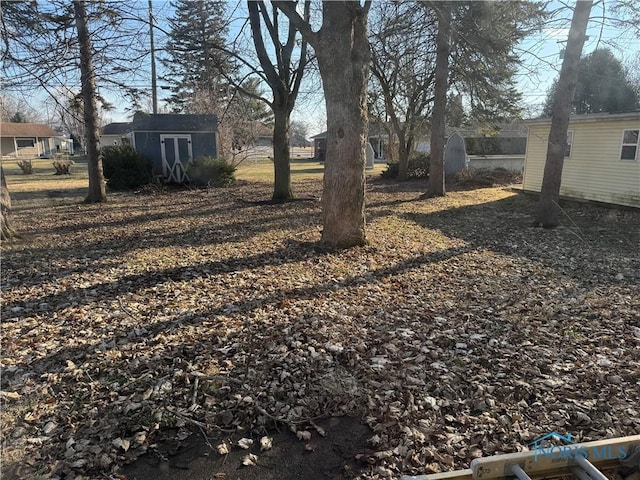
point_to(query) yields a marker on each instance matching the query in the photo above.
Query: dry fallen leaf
(266, 443)
(122, 443)
(175, 315)
(9, 395)
(250, 460)
(245, 443)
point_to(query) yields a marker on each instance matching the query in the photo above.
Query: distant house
(378, 139)
(171, 141)
(601, 163)
(63, 144)
(27, 140)
(114, 133)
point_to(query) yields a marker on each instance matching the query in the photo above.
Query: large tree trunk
(281, 156)
(438, 119)
(97, 191)
(403, 157)
(5, 208)
(342, 49)
(548, 214)
(343, 58)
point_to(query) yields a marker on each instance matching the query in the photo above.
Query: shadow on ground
(332, 457)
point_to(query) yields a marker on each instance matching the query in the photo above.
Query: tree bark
(97, 190)
(285, 85)
(403, 157)
(5, 208)
(548, 213)
(436, 187)
(342, 49)
(343, 58)
(281, 155)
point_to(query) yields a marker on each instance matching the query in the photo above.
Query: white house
(601, 163)
(64, 144)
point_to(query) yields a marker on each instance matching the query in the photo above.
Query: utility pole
(154, 86)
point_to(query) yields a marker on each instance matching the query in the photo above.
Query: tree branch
(289, 9)
(258, 42)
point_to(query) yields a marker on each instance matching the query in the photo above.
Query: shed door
(176, 155)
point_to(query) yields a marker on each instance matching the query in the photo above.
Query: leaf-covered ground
(460, 331)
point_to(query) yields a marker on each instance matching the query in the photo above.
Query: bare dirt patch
(331, 456)
(459, 331)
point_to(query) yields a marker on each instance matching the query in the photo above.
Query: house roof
(504, 129)
(174, 122)
(26, 130)
(589, 117)
(374, 131)
(116, 128)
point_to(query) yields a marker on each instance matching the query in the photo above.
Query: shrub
(211, 172)
(26, 166)
(63, 168)
(418, 167)
(391, 172)
(124, 168)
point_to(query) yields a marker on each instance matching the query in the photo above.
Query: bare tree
(480, 64)
(11, 107)
(284, 78)
(299, 133)
(438, 118)
(548, 213)
(342, 49)
(402, 53)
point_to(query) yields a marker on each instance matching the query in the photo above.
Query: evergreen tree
(19, 117)
(196, 62)
(603, 86)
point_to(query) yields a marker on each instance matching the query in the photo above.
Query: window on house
(567, 151)
(630, 144)
(25, 143)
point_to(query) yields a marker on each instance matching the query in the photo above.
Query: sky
(540, 69)
(540, 54)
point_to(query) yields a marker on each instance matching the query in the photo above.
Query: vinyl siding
(41, 146)
(594, 171)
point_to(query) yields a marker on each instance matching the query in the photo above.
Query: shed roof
(174, 122)
(116, 128)
(589, 117)
(8, 129)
